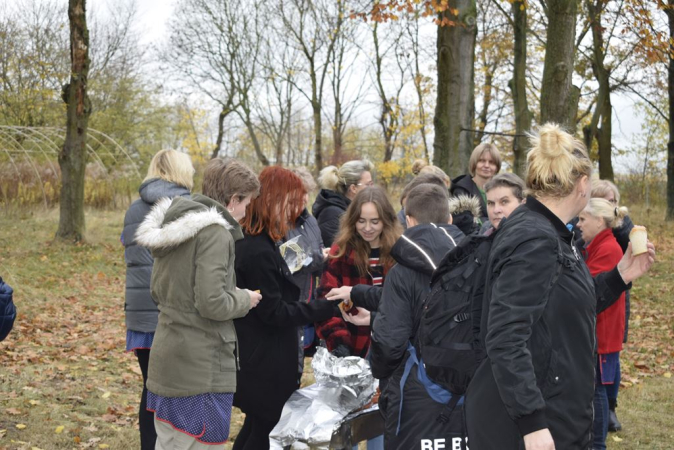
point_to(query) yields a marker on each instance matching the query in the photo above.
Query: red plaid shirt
(343, 272)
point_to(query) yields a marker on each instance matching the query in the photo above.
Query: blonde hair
(171, 165)
(613, 216)
(435, 170)
(601, 188)
(417, 165)
(339, 180)
(477, 154)
(306, 177)
(555, 163)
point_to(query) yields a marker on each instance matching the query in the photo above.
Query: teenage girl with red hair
(267, 336)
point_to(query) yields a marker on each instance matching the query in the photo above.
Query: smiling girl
(361, 254)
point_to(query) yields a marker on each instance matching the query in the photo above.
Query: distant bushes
(24, 185)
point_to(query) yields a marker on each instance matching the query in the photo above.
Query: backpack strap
(435, 391)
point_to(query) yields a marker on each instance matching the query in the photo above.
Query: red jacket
(343, 272)
(603, 253)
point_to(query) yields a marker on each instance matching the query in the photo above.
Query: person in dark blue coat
(307, 229)
(7, 309)
(170, 175)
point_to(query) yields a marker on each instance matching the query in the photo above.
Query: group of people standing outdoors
(218, 319)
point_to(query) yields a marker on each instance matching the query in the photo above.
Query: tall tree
(73, 156)
(518, 86)
(455, 105)
(313, 26)
(559, 97)
(388, 102)
(669, 10)
(215, 46)
(420, 81)
(603, 109)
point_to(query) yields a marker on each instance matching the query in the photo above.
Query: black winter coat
(141, 311)
(328, 208)
(417, 253)
(464, 185)
(538, 325)
(267, 336)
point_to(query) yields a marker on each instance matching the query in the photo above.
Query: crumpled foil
(296, 253)
(311, 414)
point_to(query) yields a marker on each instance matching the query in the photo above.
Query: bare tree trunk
(256, 143)
(518, 87)
(73, 156)
(318, 126)
(456, 78)
(221, 131)
(603, 109)
(337, 133)
(559, 97)
(387, 120)
(486, 102)
(670, 92)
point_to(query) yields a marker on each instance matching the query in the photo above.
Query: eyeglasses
(369, 183)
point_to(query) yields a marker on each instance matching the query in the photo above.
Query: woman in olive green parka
(192, 370)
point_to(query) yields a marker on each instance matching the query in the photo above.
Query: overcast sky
(153, 16)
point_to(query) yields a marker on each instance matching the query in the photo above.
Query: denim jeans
(600, 426)
(612, 389)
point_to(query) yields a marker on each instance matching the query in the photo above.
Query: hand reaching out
(361, 318)
(340, 293)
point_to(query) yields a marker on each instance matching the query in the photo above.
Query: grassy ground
(65, 381)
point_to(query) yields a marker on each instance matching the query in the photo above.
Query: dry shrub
(25, 185)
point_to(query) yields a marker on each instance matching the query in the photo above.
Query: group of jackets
(538, 285)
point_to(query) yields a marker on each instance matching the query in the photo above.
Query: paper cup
(639, 239)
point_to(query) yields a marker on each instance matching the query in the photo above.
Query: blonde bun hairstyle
(417, 165)
(555, 163)
(613, 215)
(339, 179)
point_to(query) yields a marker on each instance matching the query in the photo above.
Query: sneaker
(613, 423)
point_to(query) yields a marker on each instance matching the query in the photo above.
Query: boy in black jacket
(428, 238)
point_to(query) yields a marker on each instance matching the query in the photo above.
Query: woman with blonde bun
(421, 166)
(534, 389)
(602, 252)
(338, 187)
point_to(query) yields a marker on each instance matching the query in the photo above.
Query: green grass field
(65, 381)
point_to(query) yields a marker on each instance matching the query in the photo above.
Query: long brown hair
(348, 238)
(278, 206)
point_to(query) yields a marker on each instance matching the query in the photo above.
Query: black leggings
(148, 436)
(254, 434)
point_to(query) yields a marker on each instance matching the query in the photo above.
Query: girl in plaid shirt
(359, 255)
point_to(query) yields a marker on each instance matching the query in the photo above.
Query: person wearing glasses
(338, 187)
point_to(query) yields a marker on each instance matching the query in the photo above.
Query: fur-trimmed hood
(465, 210)
(465, 203)
(174, 221)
